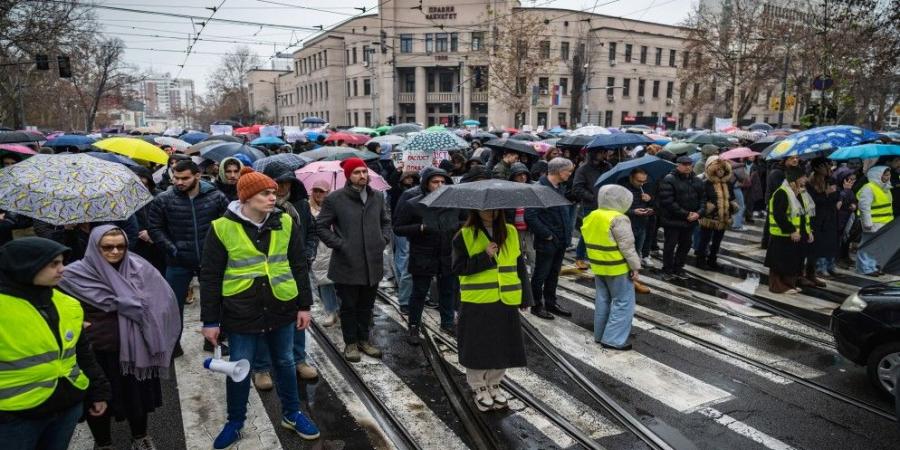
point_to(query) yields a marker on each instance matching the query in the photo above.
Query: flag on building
(555, 96)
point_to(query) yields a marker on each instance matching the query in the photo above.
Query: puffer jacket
(678, 196)
(178, 224)
(719, 191)
(430, 230)
(552, 227)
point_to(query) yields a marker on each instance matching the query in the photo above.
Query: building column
(467, 84)
(421, 86)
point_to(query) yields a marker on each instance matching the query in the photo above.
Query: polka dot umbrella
(435, 141)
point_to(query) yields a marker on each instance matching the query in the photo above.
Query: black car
(866, 329)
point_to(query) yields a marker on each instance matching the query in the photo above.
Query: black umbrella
(223, 137)
(405, 128)
(494, 194)
(483, 136)
(618, 140)
(233, 123)
(577, 141)
(717, 139)
(11, 137)
(280, 163)
(524, 137)
(763, 143)
(885, 248)
(513, 145)
(337, 154)
(760, 127)
(225, 149)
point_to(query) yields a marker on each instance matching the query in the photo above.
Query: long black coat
(826, 234)
(678, 196)
(430, 232)
(550, 223)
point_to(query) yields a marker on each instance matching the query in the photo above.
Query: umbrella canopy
(35, 135)
(178, 144)
(556, 130)
(194, 137)
(608, 141)
(333, 174)
(383, 130)
(349, 138)
(435, 141)
(483, 136)
(574, 140)
(71, 189)
(69, 140)
(541, 147)
(436, 128)
(864, 151)
(16, 148)
(313, 120)
(133, 148)
(525, 137)
(738, 153)
(223, 150)
(404, 128)
(112, 157)
(590, 130)
(338, 153)
(392, 139)
(224, 137)
(282, 161)
(552, 141)
(510, 144)
(656, 168)
(11, 137)
(494, 194)
(884, 246)
(717, 139)
(765, 142)
(252, 129)
(363, 130)
(268, 140)
(232, 123)
(471, 123)
(680, 134)
(681, 148)
(751, 136)
(761, 127)
(815, 141)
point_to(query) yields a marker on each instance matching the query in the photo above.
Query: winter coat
(617, 198)
(299, 199)
(705, 152)
(680, 195)
(583, 184)
(319, 265)
(430, 230)
(358, 232)
(824, 224)
(256, 309)
(398, 188)
(500, 171)
(719, 192)
(866, 198)
(552, 227)
(178, 224)
(638, 202)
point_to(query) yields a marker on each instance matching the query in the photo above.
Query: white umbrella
(590, 130)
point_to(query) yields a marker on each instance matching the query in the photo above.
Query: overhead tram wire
(194, 42)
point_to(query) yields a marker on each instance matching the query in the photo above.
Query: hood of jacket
(715, 163)
(518, 168)
(614, 197)
(278, 173)
(709, 150)
(874, 175)
(429, 172)
(221, 175)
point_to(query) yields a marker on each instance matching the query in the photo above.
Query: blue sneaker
(230, 434)
(301, 424)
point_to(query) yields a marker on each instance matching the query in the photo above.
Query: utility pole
(784, 74)
(735, 97)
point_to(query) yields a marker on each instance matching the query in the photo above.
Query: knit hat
(684, 160)
(351, 164)
(321, 185)
(252, 182)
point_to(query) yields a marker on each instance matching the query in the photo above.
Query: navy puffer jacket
(178, 224)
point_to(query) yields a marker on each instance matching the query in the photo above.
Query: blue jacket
(552, 227)
(178, 224)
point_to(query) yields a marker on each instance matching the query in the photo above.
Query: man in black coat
(355, 223)
(430, 232)
(681, 200)
(584, 190)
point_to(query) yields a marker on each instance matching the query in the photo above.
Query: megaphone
(237, 370)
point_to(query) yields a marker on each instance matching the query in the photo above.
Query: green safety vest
(882, 203)
(246, 263)
(497, 283)
(774, 229)
(31, 359)
(602, 251)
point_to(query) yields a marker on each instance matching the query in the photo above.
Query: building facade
(428, 62)
(168, 99)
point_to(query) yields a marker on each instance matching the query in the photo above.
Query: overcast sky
(158, 42)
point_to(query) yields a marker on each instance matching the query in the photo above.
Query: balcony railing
(479, 97)
(441, 97)
(406, 97)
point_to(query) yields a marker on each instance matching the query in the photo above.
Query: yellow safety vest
(882, 203)
(246, 263)
(774, 229)
(31, 359)
(497, 283)
(602, 251)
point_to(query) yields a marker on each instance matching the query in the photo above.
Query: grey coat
(357, 233)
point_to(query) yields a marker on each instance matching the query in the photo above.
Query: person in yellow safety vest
(615, 262)
(790, 208)
(876, 210)
(493, 284)
(254, 284)
(48, 374)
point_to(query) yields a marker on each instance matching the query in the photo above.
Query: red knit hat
(351, 164)
(252, 182)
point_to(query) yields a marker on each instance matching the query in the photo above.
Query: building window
(641, 84)
(409, 83)
(607, 119)
(347, 57)
(670, 89)
(325, 58)
(563, 86)
(544, 85)
(610, 82)
(429, 43)
(643, 54)
(564, 51)
(454, 42)
(355, 88)
(356, 118)
(326, 89)
(440, 43)
(626, 87)
(627, 57)
(354, 55)
(696, 90)
(672, 58)
(406, 43)
(348, 88)
(366, 54)
(655, 88)
(445, 80)
(367, 87)
(545, 49)
(368, 118)
(658, 56)
(612, 51)
(477, 40)
(639, 114)
(685, 58)
(624, 115)
(520, 86)
(561, 119)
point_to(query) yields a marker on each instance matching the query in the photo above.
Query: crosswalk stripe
(753, 265)
(745, 430)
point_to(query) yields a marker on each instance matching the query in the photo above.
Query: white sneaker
(483, 399)
(499, 397)
(741, 228)
(647, 261)
(330, 320)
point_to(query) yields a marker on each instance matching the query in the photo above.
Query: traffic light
(391, 120)
(42, 62)
(65, 68)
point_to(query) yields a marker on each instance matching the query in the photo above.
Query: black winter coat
(552, 227)
(430, 232)
(583, 184)
(826, 234)
(357, 232)
(257, 309)
(178, 224)
(680, 195)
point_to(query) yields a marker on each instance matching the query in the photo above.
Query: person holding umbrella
(876, 210)
(584, 188)
(789, 229)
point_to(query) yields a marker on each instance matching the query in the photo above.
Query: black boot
(414, 338)
(712, 264)
(701, 262)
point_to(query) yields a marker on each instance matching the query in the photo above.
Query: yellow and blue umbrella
(820, 140)
(136, 149)
(866, 151)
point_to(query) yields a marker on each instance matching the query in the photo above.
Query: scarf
(808, 208)
(147, 310)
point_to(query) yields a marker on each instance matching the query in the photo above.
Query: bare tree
(228, 90)
(98, 71)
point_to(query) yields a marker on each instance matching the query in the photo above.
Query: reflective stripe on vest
(246, 263)
(32, 362)
(497, 283)
(882, 203)
(602, 251)
(774, 229)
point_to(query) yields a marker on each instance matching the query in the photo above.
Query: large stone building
(427, 61)
(168, 99)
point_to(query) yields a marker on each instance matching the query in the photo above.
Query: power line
(197, 37)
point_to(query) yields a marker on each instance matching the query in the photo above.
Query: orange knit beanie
(252, 182)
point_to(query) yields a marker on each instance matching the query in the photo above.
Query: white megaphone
(237, 370)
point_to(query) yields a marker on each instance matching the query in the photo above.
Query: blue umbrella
(267, 140)
(112, 157)
(818, 140)
(866, 151)
(313, 119)
(218, 152)
(618, 140)
(656, 168)
(70, 140)
(194, 137)
(662, 142)
(313, 136)
(471, 123)
(556, 130)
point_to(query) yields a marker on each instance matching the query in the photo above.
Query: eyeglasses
(109, 248)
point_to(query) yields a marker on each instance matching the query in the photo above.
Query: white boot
(499, 397)
(483, 399)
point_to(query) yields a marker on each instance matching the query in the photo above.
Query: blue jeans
(825, 265)
(52, 432)
(280, 344)
(401, 262)
(865, 264)
(179, 279)
(639, 229)
(580, 249)
(329, 298)
(446, 287)
(613, 309)
(737, 220)
(262, 362)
